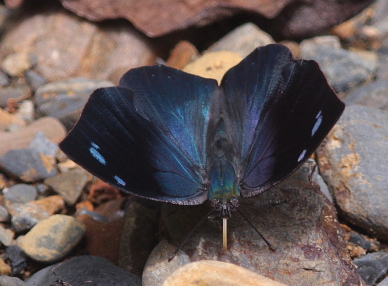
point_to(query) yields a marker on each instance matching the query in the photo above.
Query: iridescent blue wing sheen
(147, 136)
(278, 111)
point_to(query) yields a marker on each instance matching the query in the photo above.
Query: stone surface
(4, 215)
(352, 165)
(79, 270)
(43, 145)
(50, 204)
(213, 65)
(18, 63)
(25, 216)
(158, 268)
(372, 266)
(182, 54)
(11, 281)
(9, 94)
(52, 238)
(28, 165)
(302, 227)
(65, 99)
(6, 119)
(343, 69)
(69, 185)
(217, 273)
(51, 127)
(242, 40)
(17, 258)
(6, 236)
(20, 193)
(384, 282)
(5, 269)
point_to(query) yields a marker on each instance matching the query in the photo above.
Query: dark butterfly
(170, 136)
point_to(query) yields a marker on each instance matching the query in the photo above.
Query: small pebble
(34, 79)
(11, 281)
(372, 266)
(20, 193)
(43, 145)
(52, 238)
(7, 119)
(5, 269)
(26, 111)
(25, 216)
(6, 236)
(17, 257)
(4, 80)
(16, 64)
(384, 282)
(8, 93)
(50, 204)
(4, 214)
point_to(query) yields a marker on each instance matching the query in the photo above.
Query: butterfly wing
(279, 110)
(147, 135)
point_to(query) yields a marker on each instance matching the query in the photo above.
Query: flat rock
(352, 164)
(343, 69)
(52, 238)
(51, 127)
(69, 185)
(20, 193)
(28, 165)
(212, 272)
(80, 269)
(302, 227)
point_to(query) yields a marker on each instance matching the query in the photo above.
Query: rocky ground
(59, 224)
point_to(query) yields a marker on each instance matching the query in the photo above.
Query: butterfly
(170, 136)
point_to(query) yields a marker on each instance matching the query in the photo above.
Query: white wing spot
(96, 155)
(301, 156)
(317, 123)
(119, 180)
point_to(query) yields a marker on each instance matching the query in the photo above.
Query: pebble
(17, 257)
(25, 216)
(5, 269)
(343, 69)
(242, 40)
(81, 269)
(372, 266)
(351, 163)
(213, 65)
(4, 80)
(43, 145)
(210, 272)
(34, 79)
(65, 99)
(7, 119)
(16, 64)
(12, 93)
(384, 282)
(26, 111)
(4, 214)
(182, 54)
(20, 193)
(28, 165)
(11, 281)
(51, 239)
(69, 185)
(50, 204)
(6, 236)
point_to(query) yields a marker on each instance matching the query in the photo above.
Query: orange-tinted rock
(51, 204)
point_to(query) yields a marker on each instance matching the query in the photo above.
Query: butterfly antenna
(189, 235)
(266, 241)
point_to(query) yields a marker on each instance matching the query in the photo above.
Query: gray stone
(11, 281)
(51, 239)
(17, 257)
(374, 94)
(343, 69)
(353, 164)
(6, 236)
(242, 40)
(34, 79)
(4, 80)
(28, 165)
(69, 185)
(25, 216)
(12, 93)
(65, 99)
(80, 269)
(4, 214)
(299, 222)
(20, 193)
(43, 145)
(384, 282)
(372, 266)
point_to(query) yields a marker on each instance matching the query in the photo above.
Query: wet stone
(69, 185)
(52, 238)
(372, 266)
(20, 193)
(78, 270)
(29, 165)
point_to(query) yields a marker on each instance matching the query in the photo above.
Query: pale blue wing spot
(301, 156)
(119, 180)
(96, 155)
(95, 146)
(317, 123)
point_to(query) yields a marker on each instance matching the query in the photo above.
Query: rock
(213, 65)
(50, 204)
(20, 193)
(51, 127)
(293, 216)
(342, 68)
(182, 54)
(78, 270)
(4, 215)
(52, 238)
(372, 266)
(374, 94)
(354, 169)
(68, 46)
(34, 79)
(210, 272)
(4, 80)
(18, 63)
(158, 268)
(384, 282)
(242, 40)
(11, 281)
(17, 257)
(69, 185)
(5, 269)
(25, 216)
(6, 119)
(65, 99)
(8, 94)
(6, 236)
(43, 145)
(29, 165)
(139, 236)
(26, 111)
(101, 192)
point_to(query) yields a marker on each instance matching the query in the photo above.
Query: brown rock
(51, 204)
(5, 269)
(7, 119)
(51, 127)
(217, 273)
(183, 54)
